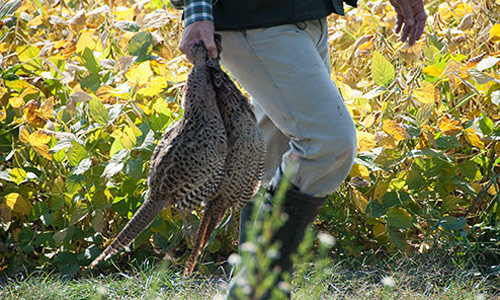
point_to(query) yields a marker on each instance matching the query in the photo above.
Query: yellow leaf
(365, 47)
(3, 91)
(378, 230)
(491, 190)
(427, 93)
(433, 70)
(64, 49)
(382, 139)
(462, 9)
(368, 121)
(124, 13)
(160, 67)
(154, 87)
(366, 141)
(104, 93)
(38, 140)
(3, 114)
(427, 136)
(36, 21)
(448, 126)
(16, 102)
(360, 171)
(4, 47)
(458, 10)
(139, 73)
(18, 85)
(359, 200)
(47, 109)
(35, 116)
(380, 190)
(17, 203)
(397, 131)
(88, 40)
(473, 139)
(24, 136)
(495, 33)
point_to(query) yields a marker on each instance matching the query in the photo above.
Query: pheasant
(244, 163)
(187, 165)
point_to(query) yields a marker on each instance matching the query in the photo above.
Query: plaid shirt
(197, 10)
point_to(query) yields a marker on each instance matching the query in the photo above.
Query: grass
(430, 276)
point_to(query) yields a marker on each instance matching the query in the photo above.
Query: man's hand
(412, 15)
(199, 31)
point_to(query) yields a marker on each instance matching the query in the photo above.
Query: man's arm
(199, 26)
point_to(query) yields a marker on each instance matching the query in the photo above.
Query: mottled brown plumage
(244, 164)
(188, 163)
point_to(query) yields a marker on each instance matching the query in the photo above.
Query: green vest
(248, 14)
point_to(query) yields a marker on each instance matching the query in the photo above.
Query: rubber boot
(301, 210)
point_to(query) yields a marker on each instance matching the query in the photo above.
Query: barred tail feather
(211, 218)
(140, 221)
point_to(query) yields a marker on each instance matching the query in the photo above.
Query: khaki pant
(307, 127)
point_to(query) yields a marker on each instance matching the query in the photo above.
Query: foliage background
(88, 87)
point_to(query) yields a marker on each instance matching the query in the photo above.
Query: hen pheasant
(188, 163)
(245, 159)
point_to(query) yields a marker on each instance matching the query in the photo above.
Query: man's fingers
(406, 32)
(208, 40)
(399, 23)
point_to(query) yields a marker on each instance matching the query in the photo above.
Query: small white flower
(102, 290)
(388, 281)
(218, 297)
(273, 253)
(234, 259)
(284, 286)
(248, 247)
(327, 239)
(480, 297)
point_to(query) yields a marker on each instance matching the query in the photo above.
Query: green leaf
(141, 45)
(468, 168)
(92, 81)
(98, 111)
(450, 203)
(486, 124)
(398, 217)
(388, 158)
(28, 56)
(76, 153)
(17, 175)
(464, 186)
(391, 199)
(383, 72)
(116, 164)
(453, 223)
(74, 183)
(448, 142)
(214, 246)
(134, 168)
(129, 26)
(78, 213)
(395, 238)
(375, 209)
(90, 62)
(423, 114)
(83, 166)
